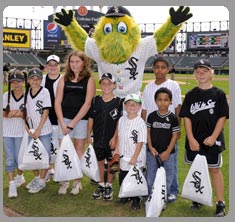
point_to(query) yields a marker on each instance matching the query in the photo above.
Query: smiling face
(117, 38)
(76, 64)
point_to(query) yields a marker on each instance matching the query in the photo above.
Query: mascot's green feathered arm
(75, 33)
(167, 32)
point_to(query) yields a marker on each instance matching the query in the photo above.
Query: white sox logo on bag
(66, 160)
(88, 158)
(35, 150)
(53, 149)
(137, 175)
(197, 182)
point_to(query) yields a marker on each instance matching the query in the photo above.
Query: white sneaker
(77, 186)
(19, 180)
(36, 187)
(171, 198)
(12, 190)
(63, 188)
(30, 184)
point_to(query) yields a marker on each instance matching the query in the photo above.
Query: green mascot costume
(116, 45)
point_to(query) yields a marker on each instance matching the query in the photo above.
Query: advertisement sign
(16, 38)
(52, 33)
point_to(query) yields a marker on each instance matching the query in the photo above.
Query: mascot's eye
(108, 28)
(122, 27)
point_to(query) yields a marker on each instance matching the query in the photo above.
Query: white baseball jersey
(131, 132)
(13, 127)
(148, 102)
(129, 74)
(54, 85)
(35, 106)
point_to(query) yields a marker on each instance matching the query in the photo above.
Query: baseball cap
(16, 76)
(117, 11)
(107, 76)
(133, 97)
(202, 63)
(53, 57)
(35, 72)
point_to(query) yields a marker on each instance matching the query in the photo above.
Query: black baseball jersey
(162, 128)
(204, 108)
(105, 116)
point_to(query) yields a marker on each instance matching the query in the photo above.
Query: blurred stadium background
(28, 42)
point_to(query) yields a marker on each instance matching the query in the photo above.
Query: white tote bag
(90, 164)
(35, 156)
(23, 146)
(197, 185)
(67, 164)
(54, 144)
(157, 199)
(134, 184)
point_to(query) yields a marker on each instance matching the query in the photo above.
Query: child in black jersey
(163, 130)
(205, 110)
(103, 117)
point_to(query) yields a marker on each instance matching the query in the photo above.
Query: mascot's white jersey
(129, 74)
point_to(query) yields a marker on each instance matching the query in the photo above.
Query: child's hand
(112, 143)
(132, 161)
(194, 145)
(209, 141)
(164, 155)
(89, 140)
(153, 151)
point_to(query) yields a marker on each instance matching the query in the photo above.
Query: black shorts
(213, 160)
(103, 153)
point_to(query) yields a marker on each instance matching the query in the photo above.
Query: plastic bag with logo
(157, 199)
(134, 184)
(35, 156)
(90, 164)
(23, 146)
(197, 185)
(67, 163)
(54, 144)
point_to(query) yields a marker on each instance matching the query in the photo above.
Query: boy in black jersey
(104, 113)
(205, 110)
(163, 130)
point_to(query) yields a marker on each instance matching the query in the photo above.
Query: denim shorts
(78, 132)
(12, 147)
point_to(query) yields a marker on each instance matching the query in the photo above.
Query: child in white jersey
(13, 129)
(37, 103)
(132, 136)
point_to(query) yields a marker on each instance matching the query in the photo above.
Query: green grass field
(47, 203)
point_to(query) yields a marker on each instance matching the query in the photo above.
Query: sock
(101, 184)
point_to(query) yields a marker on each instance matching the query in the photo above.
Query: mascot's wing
(75, 33)
(167, 32)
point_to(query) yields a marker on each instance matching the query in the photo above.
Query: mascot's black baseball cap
(117, 11)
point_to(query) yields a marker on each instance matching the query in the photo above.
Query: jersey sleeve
(4, 105)
(142, 137)
(47, 99)
(185, 109)
(175, 125)
(223, 105)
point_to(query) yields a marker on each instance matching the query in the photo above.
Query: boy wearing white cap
(132, 137)
(50, 81)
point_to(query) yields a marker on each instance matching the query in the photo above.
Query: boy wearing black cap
(104, 113)
(205, 110)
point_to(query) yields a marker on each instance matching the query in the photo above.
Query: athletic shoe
(36, 187)
(63, 187)
(12, 190)
(135, 204)
(220, 209)
(77, 186)
(171, 198)
(195, 205)
(108, 193)
(98, 193)
(123, 200)
(30, 184)
(19, 180)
